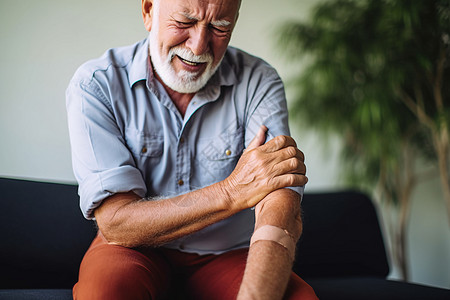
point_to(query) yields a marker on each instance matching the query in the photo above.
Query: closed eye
(219, 29)
(221, 26)
(184, 24)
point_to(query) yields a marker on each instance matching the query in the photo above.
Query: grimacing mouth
(191, 63)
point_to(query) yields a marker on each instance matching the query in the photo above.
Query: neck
(180, 100)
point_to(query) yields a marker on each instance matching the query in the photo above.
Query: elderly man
(182, 152)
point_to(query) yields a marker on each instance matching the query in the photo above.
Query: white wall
(43, 42)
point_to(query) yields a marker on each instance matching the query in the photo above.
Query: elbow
(113, 223)
(112, 229)
(281, 208)
(295, 222)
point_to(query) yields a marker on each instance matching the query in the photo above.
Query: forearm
(262, 169)
(269, 264)
(126, 220)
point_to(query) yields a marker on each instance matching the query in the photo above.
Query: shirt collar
(140, 63)
(141, 69)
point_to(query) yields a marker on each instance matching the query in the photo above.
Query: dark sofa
(44, 236)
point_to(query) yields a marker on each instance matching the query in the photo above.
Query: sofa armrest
(44, 235)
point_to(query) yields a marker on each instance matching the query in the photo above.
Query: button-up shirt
(127, 135)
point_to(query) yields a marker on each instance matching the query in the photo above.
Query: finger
(259, 138)
(279, 142)
(291, 180)
(286, 154)
(291, 166)
(301, 155)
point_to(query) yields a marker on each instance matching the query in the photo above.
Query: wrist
(228, 196)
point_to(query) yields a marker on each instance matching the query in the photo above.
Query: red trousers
(114, 272)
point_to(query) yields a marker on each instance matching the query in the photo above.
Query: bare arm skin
(126, 220)
(269, 264)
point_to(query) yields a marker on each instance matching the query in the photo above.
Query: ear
(147, 13)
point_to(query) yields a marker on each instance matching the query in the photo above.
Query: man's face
(188, 39)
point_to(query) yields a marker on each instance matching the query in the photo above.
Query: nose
(198, 40)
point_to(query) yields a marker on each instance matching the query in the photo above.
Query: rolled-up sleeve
(102, 163)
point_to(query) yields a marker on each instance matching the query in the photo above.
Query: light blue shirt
(127, 135)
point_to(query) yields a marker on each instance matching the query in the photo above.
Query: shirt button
(180, 182)
(181, 140)
(228, 152)
(144, 149)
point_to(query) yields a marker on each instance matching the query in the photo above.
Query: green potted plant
(378, 76)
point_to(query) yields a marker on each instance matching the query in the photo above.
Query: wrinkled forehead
(216, 9)
(233, 2)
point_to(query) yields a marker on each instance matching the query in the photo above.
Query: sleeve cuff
(99, 186)
(299, 189)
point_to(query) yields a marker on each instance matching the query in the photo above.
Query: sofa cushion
(43, 294)
(341, 237)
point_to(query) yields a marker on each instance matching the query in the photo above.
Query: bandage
(277, 235)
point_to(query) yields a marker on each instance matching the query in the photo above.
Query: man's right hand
(264, 168)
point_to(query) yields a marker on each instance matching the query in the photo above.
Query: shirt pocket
(218, 156)
(145, 144)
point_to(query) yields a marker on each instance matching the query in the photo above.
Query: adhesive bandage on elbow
(277, 235)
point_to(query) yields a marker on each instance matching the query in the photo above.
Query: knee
(298, 289)
(118, 273)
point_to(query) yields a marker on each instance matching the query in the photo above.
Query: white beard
(184, 81)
